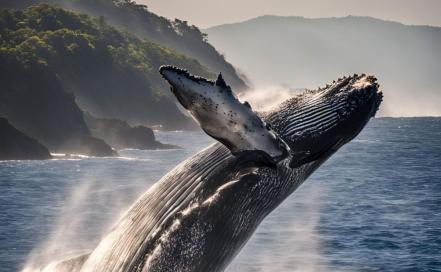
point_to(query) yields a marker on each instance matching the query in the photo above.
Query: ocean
(374, 206)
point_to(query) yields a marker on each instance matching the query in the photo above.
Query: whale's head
(317, 123)
(313, 124)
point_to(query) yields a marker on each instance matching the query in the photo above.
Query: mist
(300, 249)
(92, 204)
(267, 98)
(423, 12)
(308, 53)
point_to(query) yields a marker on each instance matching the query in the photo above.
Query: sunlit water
(374, 206)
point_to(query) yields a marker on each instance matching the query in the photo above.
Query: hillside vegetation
(111, 73)
(55, 63)
(137, 19)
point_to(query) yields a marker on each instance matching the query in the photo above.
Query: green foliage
(177, 34)
(46, 33)
(111, 72)
(137, 19)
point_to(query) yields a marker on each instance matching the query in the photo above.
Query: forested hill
(55, 63)
(111, 73)
(137, 19)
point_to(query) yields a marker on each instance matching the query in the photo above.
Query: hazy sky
(205, 13)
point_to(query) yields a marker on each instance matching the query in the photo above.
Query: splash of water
(69, 221)
(77, 229)
(293, 244)
(301, 249)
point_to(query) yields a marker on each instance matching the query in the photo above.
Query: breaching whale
(199, 215)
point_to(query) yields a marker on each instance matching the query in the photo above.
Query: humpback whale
(199, 215)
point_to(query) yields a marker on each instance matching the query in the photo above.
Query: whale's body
(199, 216)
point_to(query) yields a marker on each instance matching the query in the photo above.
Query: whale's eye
(247, 104)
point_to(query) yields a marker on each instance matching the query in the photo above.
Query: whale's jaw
(318, 122)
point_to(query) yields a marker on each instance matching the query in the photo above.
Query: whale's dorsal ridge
(221, 82)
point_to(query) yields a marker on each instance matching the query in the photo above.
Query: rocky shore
(15, 145)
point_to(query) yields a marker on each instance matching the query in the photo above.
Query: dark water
(374, 206)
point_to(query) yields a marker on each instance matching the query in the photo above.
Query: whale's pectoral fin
(223, 117)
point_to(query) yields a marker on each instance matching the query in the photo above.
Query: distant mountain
(302, 52)
(137, 19)
(15, 145)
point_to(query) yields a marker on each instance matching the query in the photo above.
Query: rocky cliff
(15, 145)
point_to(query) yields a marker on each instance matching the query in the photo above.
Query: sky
(207, 13)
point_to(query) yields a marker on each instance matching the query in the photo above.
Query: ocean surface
(374, 206)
